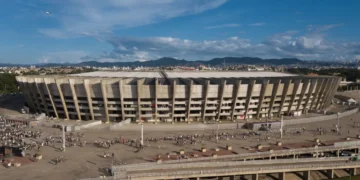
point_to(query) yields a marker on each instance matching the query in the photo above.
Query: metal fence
(320, 118)
(349, 145)
(197, 173)
(228, 164)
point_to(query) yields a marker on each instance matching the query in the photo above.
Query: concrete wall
(210, 99)
(319, 118)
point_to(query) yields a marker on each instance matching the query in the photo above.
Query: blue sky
(55, 31)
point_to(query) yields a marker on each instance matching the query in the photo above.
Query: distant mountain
(167, 61)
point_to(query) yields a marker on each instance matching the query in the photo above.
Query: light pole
(63, 136)
(281, 126)
(142, 135)
(338, 122)
(217, 132)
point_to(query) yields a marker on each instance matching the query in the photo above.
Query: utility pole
(281, 126)
(142, 134)
(217, 133)
(63, 136)
(338, 122)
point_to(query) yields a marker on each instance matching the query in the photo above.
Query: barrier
(320, 118)
(227, 164)
(348, 145)
(287, 168)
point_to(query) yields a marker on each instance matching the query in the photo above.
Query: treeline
(8, 83)
(350, 74)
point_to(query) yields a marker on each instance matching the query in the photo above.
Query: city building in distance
(168, 96)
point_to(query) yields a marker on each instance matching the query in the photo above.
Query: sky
(58, 31)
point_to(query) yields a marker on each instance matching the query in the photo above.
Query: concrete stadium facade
(176, 96)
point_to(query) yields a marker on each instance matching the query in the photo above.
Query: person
(112, 155)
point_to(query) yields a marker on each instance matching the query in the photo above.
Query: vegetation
(8, 84)
(350, 74)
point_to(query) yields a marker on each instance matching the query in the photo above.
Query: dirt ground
(86, 162)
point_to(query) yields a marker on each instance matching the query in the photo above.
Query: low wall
(319, 118)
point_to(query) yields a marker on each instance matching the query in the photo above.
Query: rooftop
(225, 74)
(183, 74)
(120, 74)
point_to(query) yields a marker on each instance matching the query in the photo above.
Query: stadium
(169, 96)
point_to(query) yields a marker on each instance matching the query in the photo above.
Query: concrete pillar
(249, 96)
(295, 89)
(262, 95)
(333, 91)
(273, 96)
(330, 173)
(189, 99)
(139, 88)
(255, 177)
(121, 91)
(58, 85)
(89, 99)
(327, 93)
(306, 175)
(309, 93)
(234, 98)
(104, 94)
(282, 176)
(33, 94)
(205, 99)
(352, 171)
(73, 92)
(51, 97)
(173, 102)
(221, 98)
(317, 91)
(284, 94)
(40, 92)
(305, 85)
(198, 178)
(322, 92)
(155, 99)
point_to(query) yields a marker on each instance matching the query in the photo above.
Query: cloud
(223, 26)
(322, 28)
(54, 33)
(44, 59)
(286, 44)
(93, 17)
(63, 56)
(257, 24)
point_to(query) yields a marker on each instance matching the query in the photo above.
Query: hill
(167, 61)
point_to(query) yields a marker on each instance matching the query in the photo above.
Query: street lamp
(142, 134)
(338, 122)
(217, 132)
(281, 126)
(63, 137)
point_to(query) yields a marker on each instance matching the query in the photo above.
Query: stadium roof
(183, 74)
